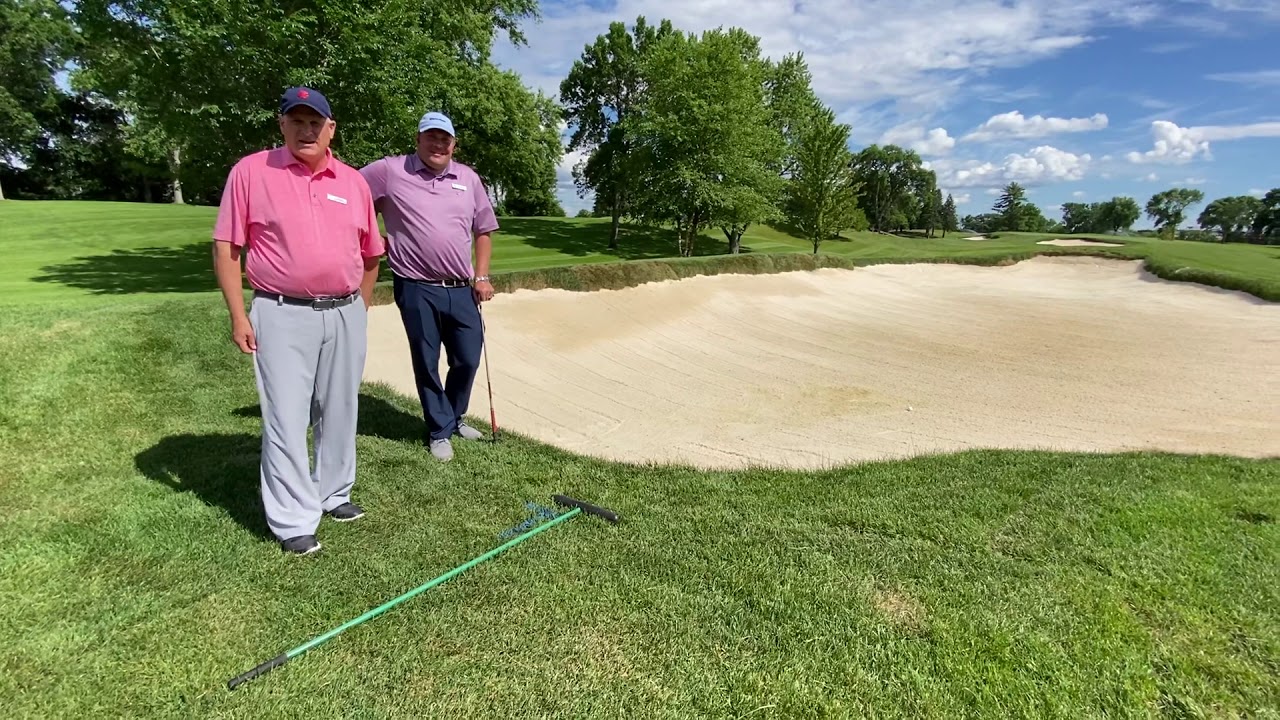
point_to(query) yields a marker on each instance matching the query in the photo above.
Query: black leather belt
(314, 303)
(443, 282)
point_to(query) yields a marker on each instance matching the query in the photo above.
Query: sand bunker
(810, 369)
(1076, 242)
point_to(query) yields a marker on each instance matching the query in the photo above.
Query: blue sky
(1077, 101)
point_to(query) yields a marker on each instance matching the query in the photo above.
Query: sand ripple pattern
(813, 369)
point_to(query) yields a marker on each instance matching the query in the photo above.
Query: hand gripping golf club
(579, 507)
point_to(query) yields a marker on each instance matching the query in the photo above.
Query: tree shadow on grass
(222, 469)
(186, 268)
(579, 239)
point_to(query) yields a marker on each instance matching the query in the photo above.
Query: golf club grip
(588, 508)
(267, 666)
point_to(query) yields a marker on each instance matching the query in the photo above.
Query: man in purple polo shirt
(437, 213)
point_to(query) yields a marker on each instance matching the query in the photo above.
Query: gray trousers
(308, 367)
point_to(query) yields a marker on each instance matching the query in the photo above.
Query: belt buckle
(325, 303)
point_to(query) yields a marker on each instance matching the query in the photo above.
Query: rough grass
(136, 576)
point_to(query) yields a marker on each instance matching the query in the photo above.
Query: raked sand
(810, 369)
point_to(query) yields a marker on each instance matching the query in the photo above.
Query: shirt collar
(287, 158)
(418, 166)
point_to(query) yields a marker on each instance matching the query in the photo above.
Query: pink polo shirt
(307, 234)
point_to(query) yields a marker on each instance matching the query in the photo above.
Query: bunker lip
(1077, 242)
(809, 370)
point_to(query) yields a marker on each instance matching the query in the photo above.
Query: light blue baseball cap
(436, 121)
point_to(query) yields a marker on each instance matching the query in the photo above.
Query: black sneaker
(346, 512)
(301, 545)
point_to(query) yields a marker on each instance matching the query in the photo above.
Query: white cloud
(1177, 145)
(858, 52)
(1078, 194)
(1257, 192)
(1040, 165)
(1014, 125)
(1194, 181)
(1151, 177)
(964, 198)
(934, 142)
(1256, 78)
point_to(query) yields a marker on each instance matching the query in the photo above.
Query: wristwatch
(480, 278)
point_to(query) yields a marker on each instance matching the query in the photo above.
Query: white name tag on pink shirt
(337, 199)
(457, 186)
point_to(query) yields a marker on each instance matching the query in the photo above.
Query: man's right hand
(242, 335)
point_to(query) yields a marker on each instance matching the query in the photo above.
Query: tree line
(165, 95)
(663, 144)
(1240, 218)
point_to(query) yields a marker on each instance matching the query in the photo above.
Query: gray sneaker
(442, 450)
(469, 433)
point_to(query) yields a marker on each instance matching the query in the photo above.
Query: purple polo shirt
(431, 218)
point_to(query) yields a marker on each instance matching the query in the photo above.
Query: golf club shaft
(484, 349)
(282, 659)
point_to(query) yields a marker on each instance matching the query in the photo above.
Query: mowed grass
(67, 251)
(136, 575)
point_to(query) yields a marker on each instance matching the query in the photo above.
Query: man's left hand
(483, 291)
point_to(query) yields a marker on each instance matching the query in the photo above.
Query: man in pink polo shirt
(307, 223)
(437, 212)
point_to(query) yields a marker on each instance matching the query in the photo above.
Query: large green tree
(1232, 217)
(822, 195)
(708, 144)
(1017, 214)
(600, 94)
(208, 75)
(891, 178)
(950, 223)
(1266, 226)
(36, 40)
(1167, 209)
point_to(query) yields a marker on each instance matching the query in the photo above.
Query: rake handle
(262, 669)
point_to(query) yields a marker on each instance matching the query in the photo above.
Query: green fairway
(81, 250)
(136, 575)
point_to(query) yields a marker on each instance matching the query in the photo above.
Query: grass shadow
(579, 239)
(220, 469)
(375, 418)
(223, 469)
(182, 269)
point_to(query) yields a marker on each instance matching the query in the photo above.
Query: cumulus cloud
(1014, 125)
(1078, 194)
(858, 52)
(1040, 165)
(934, 142)
(1257, 192)
(1176, 145)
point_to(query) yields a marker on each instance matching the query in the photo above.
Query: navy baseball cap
(305, 96)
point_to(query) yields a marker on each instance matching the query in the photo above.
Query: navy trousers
(435, 316)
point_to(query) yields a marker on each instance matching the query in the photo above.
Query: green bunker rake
(578, 506)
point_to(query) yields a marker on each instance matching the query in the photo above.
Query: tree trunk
(175, 163)
(1, 191)
(146, 191)
(613, 232)
(735, 243)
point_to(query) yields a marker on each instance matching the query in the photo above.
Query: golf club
(484, 350)
(578, 506)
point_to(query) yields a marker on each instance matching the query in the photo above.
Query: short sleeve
(371, 242)
(484, 220)
(375, 174)
(232, 224)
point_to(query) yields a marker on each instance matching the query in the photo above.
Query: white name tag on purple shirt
(337, 199)
(458, 186)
